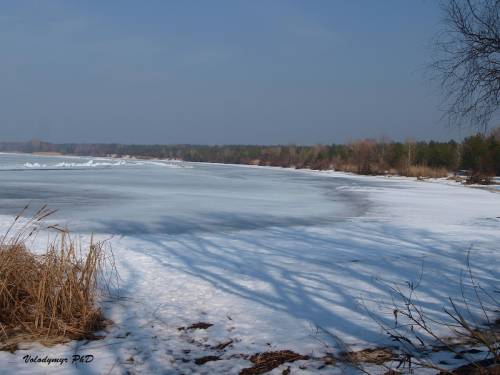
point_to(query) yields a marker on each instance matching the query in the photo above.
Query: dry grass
(50, 297)
(419, 171)
(265, 362)
(376, 355)
(346, 167)
(424, 171)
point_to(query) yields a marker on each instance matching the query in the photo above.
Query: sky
(219, 71)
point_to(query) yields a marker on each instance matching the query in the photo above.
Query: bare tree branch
(467, 61)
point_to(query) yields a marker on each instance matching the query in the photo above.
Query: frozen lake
(137, 197)
(272, 258)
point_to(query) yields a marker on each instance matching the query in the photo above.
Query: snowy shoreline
(270, 288)
(494, 187)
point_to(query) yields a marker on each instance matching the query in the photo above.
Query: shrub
(50, 297)
(478, 178)
(415, 331)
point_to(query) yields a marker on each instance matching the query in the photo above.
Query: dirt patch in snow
(485, 367)
(264, 362)
(200, 325)
(377, 356)
(223, 345)
(209, 358)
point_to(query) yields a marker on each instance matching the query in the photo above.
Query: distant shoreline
(131, 153)
(47, 153)
(494, 187)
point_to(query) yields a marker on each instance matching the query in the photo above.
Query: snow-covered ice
(272, 258)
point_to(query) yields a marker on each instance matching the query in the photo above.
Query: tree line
(479, 155)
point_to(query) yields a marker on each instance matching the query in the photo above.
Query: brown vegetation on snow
(49, 297)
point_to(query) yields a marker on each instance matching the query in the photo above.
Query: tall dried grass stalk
(424, 171)
(50, 297)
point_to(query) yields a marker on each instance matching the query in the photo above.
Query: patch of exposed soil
(264, 362)
(485, 367)
(377, 356)
(209, 358)
(223, 345)
(200, 325)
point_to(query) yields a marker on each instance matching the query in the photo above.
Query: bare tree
(467, 61)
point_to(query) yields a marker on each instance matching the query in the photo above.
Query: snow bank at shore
(282, 287)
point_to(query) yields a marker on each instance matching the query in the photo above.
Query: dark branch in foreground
(467, 60)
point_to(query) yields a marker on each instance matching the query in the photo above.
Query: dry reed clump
(50, 297)
(424, 171)
(419, 171)
(345, 167)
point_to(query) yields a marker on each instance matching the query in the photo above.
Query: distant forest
(479, 155)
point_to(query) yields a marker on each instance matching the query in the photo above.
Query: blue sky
(234, 71)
